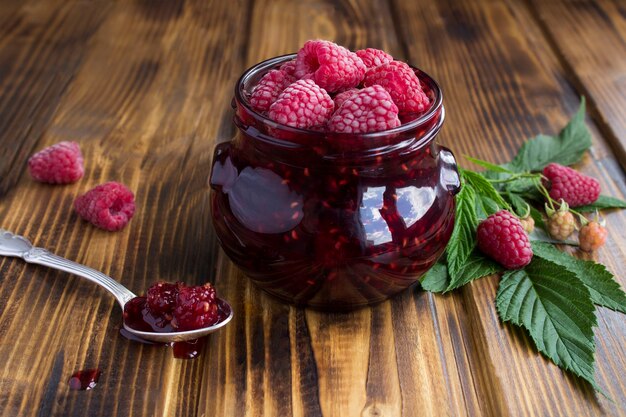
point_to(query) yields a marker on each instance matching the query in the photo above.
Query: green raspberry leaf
(566, 149)
(477, 266)
(520, 206)
(489, 166)
(436, 279)
(556, 309)
(604, 290)
(603, 202)
(485, 190)
(463, 239)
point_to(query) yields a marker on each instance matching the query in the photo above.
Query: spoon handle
(20, 247)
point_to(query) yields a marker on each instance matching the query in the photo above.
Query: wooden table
(145, 87)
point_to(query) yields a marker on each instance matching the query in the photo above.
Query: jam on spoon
(173, 307)
(197, 312)
(169, 307)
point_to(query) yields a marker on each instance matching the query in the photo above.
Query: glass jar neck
(261, 135)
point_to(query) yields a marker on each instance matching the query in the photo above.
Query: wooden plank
(502, 85)
(589, 37)
(340, 364)
(147, 95)
(41, 48)
(147, 104)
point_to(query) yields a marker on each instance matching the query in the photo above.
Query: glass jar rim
(241, 98)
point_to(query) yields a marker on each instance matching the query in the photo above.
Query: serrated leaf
(463, 239)
(567, 148)
(489, 206)
(556, 309)
(436, 279)
(523, 186)
(603, 202)
(485, 190)
(519, 205)
(477, 266)
(604, 290)
(489, 165)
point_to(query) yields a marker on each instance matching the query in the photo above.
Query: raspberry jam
(84, 380)
(333, 221)
(138, 316)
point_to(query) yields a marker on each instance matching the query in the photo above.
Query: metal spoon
(20, 247)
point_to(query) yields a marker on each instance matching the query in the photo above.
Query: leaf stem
(514, 177)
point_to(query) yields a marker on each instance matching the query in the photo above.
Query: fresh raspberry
(303, 104)
(373, 57)
(528, 223)
(592, 236)
(161, 297)
(399, 79)
(108, 206)
(369, 110)
(343, 96)
(502, 237)
(269, 88)
(574, 188)
(331, 66)
(561, 224)
(289, 68)
(57, 164)
(196, 307)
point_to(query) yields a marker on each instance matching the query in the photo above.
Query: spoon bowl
(19, 247)
(187, 335)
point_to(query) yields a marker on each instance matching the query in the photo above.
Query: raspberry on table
(561, 224)
(369, 110)
(269, 88)
(57, 164)
(332, 67)
(592, 236)
(303, 104)
(109, 206)
(161, 297)
(574, 188)
(401, 82)
(502, 238)
(196, 307)
(344, 95)
(373, 57)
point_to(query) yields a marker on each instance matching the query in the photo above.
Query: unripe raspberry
(592, 236)
(561, 225)
(528, 223)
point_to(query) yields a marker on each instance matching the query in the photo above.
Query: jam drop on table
(189, 349)
(85, 379)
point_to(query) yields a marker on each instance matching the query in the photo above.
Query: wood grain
(145, 87)
(589, 38)
(138, 105)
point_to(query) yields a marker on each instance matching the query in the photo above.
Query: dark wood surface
(145, 88)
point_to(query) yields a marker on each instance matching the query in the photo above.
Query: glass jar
(333, 221)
